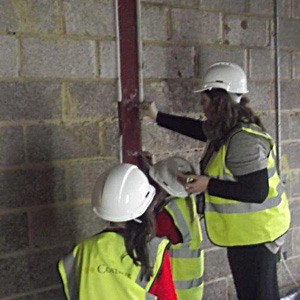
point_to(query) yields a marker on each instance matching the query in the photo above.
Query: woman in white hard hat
(125, 261)
(178, 220)
(246, 209)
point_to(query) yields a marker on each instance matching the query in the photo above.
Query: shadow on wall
(39, 225)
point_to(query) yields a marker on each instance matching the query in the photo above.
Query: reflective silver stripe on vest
(246, 207)
(183, 227)
(152, 248)
(69, 266)
(150, 297)
(271, 172)
(185, 253)
(188, 284)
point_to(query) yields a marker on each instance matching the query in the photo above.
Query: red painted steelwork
(129, 106)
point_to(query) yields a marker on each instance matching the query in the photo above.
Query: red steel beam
(129, 123)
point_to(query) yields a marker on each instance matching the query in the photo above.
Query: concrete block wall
(59, 122)
(58, 130)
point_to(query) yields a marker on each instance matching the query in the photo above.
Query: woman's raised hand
(149, 109)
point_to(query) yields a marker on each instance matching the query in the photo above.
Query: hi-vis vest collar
(233, 223)
(187, 258)
(96, 270)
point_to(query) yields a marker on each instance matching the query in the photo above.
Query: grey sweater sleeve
(247, 153)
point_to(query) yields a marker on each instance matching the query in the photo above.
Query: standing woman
(246, 209)
(124, 261)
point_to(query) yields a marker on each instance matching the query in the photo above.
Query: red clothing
(166, 227)
(163, 287)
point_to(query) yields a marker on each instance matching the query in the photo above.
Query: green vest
(187, 258)
(234, 223)
(95, 269)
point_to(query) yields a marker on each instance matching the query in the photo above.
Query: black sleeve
(186, 126)
(251, 188)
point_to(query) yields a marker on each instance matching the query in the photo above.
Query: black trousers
(254, 272)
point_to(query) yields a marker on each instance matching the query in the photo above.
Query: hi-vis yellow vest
(234, 223)
(187, 258)
(95, 269)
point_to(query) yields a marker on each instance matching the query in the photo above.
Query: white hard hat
(122, 194)
(227, 76)
(165, 173)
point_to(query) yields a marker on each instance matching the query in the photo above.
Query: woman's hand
(149, 109)
(194, 184)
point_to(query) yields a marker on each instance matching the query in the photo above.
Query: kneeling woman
(125, 261)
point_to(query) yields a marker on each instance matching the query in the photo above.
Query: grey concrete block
(14, 276)
(261, 95)
(160, 140)
(262, 64)
(245, 31)
(14, 233)
(174, 96)
(173, 2)
(42, 267)
(210, 55)
(111, 139)
(289, 33)
(170, 62)
(296, 241)
(58, 58)
(216, 264)
(30, 100)
(57, 294)
(29, 16)
(290, 94)
(182, 99)
(294, 125)
(216, 290)
(291, 150)
(269, 121)
(25, 188)
(158, 92)
(57, 226)
(288, 244)
(188, 24)
(50, 142)
(296, 65)
(295, 184)
(25, 273)
(265, 7)
(8, 17)
(226, 6)
(108, 59)
(11, 145)
(295, 9)
(92, 99)
(29, 297)
(90, 17)
(232, 295)
(154, 25)
(284, 277)
(82, 177)
(9, 62)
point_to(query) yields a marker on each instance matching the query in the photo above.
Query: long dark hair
(226, 116)
(137, 236)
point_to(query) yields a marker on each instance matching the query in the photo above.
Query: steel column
(128, 105)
